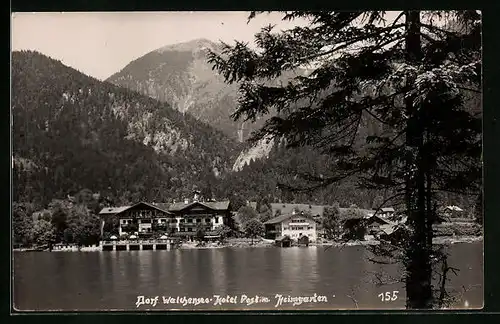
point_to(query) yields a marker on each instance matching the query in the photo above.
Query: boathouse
(283, 241)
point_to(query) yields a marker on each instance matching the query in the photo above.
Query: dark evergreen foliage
(390, 102)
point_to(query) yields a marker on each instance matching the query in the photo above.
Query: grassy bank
(246, 243)
(231, 243)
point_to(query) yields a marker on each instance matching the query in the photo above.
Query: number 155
(389, 296)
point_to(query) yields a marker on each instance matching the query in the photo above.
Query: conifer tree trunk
(418, 267)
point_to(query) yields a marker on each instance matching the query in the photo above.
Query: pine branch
(469, 89)
(436, 29)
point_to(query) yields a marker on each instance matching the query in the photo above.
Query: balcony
(162, 226)
(191, 224)
(130, 227)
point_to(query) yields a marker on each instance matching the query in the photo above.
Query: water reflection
(112, 280)
(218, 272)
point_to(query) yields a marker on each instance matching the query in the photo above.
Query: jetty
(138, 245)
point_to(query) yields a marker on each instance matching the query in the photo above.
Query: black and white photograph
(246, 161)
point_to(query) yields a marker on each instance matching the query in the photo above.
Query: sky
(102, 43)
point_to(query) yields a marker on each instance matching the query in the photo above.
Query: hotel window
(207, 220)
(163, 220)
(198, 220)
(190, 220)
(216, 220)
(182, 221)
(124, 221)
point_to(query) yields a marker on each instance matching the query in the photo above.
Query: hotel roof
(281, 218)
(215, 205)
(288, 208)
(315, 210)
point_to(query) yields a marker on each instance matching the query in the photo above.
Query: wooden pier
(137, 245)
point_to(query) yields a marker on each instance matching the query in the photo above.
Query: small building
(294, 225)
(452, 212)
(392, 233)
(386, 212)
(303, 241)
(283, 241)
(353, 223)
(374, 223)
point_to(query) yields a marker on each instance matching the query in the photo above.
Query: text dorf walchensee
(218, 300)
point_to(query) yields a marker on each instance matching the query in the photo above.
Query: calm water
(113, 280)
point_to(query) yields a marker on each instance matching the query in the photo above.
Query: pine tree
(386, 99)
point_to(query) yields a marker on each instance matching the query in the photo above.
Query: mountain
(180, 74)
(71, 131)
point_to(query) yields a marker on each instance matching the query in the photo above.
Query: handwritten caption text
(218, 300)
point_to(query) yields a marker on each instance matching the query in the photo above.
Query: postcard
(249, 161)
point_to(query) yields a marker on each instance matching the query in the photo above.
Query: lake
(333, 278)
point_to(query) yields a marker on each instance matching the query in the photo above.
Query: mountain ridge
(180, 74)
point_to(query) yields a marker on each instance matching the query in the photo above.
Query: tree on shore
(245, 214)
(22, 221)
(387, 98)
(254, 228)
(224, 231)
(353, 225)
(43, 233)
(331, 222)
(84, 226)
(200, 232)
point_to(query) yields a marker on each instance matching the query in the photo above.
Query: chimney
(186, 201)
(196, 195)
(293, 211)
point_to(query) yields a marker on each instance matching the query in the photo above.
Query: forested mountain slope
(71, 131)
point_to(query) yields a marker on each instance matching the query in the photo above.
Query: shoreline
(448, 240)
